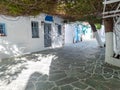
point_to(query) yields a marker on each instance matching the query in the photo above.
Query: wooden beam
(111, 12)
(110, 1)
(114, 15)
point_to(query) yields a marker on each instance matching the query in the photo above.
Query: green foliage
(98, 26)
(91, 18)
(86, 10)
(14, 9)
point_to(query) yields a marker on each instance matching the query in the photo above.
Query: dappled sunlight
(57, 40)
(75, 65)
(10, 49)
(3, 49)
(19, 69)
(10, 69)
(43, 63)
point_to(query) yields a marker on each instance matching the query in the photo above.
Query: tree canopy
(90, 10)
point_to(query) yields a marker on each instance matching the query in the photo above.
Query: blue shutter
(49, 18)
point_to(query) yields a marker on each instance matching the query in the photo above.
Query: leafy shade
(86, 10)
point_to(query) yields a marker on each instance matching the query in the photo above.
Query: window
(59, 30)
(35, 29)
(2, 29)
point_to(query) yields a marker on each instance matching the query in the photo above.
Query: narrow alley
(77, 66)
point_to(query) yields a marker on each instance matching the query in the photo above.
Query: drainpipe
(96, 35)
(108, 22)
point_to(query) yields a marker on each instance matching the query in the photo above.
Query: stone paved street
(73, 67)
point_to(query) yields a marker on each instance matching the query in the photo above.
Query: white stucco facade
(113, 45)
(110, 50)
(98, 38)
(19, 39)
(69, 33)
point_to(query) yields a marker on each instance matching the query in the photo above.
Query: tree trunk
(97, 35)
(109, 39)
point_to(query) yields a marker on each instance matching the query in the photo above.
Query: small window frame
(3, 29)
(35, 29)
(59, 30)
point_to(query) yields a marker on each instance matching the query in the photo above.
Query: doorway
(47, 35)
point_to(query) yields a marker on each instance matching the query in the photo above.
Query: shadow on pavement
(10, 69)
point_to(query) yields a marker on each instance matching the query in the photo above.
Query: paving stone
(33, 79)
(30, 86)
(90, 89)
(113, 84)
(98, 77)
(107, 75)
(79, 85)
(89, 61)
(67, 87)
(111, 67)
(116, 77)
(116, 73)
(81, 64)
(72, 73)
(76, 67)
(119, 72)
(80, 69)
(36, 75)
(56, 71)
(66, 81)
(98, 70)
(44, 85)
(57, 76)
(108, 70)
(42, 78)
(55, 88)
(89, 68)
(77, 89)
(96, 84)
(83, 75)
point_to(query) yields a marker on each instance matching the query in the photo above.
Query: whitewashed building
(69, 33)
(112, 33)
(74, 32)
(20, 35)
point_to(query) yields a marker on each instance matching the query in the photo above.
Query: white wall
(88, 35)
(69, 33)
(19, 35)
(102, 33)
(16, 40)
(117, 36)
(57, 41)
